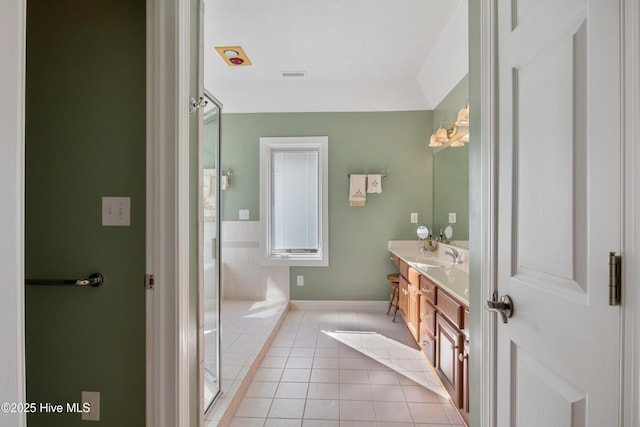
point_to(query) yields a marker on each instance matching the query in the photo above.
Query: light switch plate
(92, 398)
(414, 218)
(116, 211)
(243, 214)
(452, 217)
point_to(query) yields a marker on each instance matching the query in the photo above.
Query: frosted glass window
(293, 201)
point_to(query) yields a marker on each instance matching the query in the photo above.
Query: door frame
(12, 187)
(484, 213)
(171, 341)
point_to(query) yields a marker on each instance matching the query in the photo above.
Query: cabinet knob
(462, 357)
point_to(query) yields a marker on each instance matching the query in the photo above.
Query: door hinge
(149, 282)
(615, 278)
(195, 105)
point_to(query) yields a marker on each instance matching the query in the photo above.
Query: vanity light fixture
(432, 141)
(463, 116)
(452, 136)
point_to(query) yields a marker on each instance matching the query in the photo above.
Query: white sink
(431, 262)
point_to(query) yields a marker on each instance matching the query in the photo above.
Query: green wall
(394, 143)
(85, 138)
(451, 169)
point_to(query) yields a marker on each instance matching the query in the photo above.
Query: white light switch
(414, 218)
(243, 214)
(116, 211)
(452, 217)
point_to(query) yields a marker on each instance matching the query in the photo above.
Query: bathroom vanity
(434, 303)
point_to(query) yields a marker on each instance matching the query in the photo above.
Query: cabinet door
(428, 344)
(413, 315)
(464, 358)
(404, 297)
(448, 364)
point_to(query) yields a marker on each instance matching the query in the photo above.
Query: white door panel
(558, 211)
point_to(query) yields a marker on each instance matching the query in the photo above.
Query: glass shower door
(209, 245)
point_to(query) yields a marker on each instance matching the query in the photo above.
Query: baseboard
(338, 305)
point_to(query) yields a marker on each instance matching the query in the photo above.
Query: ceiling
(357, 55)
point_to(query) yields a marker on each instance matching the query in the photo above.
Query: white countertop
(437, 266)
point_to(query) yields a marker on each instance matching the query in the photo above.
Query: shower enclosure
(209, 232)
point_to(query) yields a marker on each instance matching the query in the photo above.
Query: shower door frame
(201, 289)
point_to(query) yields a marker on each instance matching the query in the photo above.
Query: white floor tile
(344, 369)
(296, 375)
(353, 410)
(287, 408)
(262, 389)
(282, 422)
(322, 409)
(355, 392)
(292, 390)
(392, 412)
(323, 391)
(254, 407)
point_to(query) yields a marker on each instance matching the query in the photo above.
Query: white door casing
(559, 211)
(12, 85)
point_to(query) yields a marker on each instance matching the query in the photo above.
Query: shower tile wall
(243, 278)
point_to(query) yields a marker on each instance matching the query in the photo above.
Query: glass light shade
(465, 138)
(441, 135)
(433, 142)
(463, 117)
(457, 143)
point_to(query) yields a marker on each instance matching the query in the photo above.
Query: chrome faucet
(457, 256)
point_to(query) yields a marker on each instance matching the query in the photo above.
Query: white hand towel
(374, 183)
(357, 196)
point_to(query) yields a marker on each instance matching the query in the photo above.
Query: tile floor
(246, 328)
(344, 368)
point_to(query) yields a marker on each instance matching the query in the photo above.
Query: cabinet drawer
(414, 277)
(428, 345)
(394, 259)
(451, 308)
(427, 314)
(404, 269)
(429, 289)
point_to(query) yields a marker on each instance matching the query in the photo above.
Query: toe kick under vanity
(434, 303)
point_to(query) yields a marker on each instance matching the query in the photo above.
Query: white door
(559, 209)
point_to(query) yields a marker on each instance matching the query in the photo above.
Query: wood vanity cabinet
(446, 319)
(439, 323)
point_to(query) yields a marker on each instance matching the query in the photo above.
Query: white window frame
(267, 146)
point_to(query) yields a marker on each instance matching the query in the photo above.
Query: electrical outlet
(243, 214)
(91, 406)
(414, 218)
(300, 280)
(452, 217)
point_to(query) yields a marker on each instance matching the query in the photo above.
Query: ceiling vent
(287, 74)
